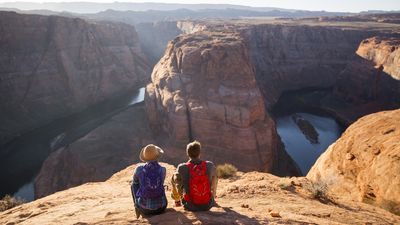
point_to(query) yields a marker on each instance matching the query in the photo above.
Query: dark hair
(193, 149)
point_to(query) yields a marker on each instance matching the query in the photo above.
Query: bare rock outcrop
(364, 164)
(51, 67)
(369, 83)
(247, 198)
(204, 88)
(384, 52)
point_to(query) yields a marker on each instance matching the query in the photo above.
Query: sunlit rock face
(365, 162)
(204, 88)
(52, 66)
(384, 52)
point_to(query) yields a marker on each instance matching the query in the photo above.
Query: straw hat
(150, 153)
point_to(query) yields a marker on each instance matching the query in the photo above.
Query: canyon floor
(247, 198)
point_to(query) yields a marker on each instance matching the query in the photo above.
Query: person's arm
(135, 184)
(177, 185)
(214, 179)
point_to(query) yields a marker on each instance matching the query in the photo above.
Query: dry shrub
(226, 170)
(9, 202)
(317, 190)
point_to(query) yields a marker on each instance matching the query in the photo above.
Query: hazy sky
(328, 5)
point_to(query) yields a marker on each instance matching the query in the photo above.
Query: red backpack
(199, 185)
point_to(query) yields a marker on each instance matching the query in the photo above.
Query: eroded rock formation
(384, 52)
(204, 88)
(53, 66)
(364, 164)
(369, 83)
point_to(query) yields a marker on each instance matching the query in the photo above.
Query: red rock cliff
(293, 57)
(52, 66)
(384, 52)
(369, 83)
(204, 88)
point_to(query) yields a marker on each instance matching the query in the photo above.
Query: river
(21, 159)
(303, 152)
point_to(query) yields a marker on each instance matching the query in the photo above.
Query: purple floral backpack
(151, 181)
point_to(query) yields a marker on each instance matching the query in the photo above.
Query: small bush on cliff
(318, 190)
(9, 202)
(226, 170)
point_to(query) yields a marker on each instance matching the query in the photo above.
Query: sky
(327, 5)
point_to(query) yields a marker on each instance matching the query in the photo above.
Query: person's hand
(178, 203)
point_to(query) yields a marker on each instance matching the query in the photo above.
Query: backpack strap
(203, 167)
(187, 196)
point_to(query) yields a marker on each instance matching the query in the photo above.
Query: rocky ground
(248, 198)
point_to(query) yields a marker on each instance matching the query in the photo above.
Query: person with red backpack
(148, 183)
(194, 184)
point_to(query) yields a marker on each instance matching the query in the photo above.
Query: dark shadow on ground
(218, 215)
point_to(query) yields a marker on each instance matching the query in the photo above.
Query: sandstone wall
(293, 57)
(369, 83)
(384, 52)
(53, 66)
(204, 88)
(364, 164)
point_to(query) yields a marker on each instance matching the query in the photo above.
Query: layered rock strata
(52, 66)
(204, 88)
(364, 163)
(294, 57)
(369, 83)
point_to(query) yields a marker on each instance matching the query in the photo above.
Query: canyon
(52, 67)
(223, 83)
(216, 83)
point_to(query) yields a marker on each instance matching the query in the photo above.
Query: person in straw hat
(148, 183)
